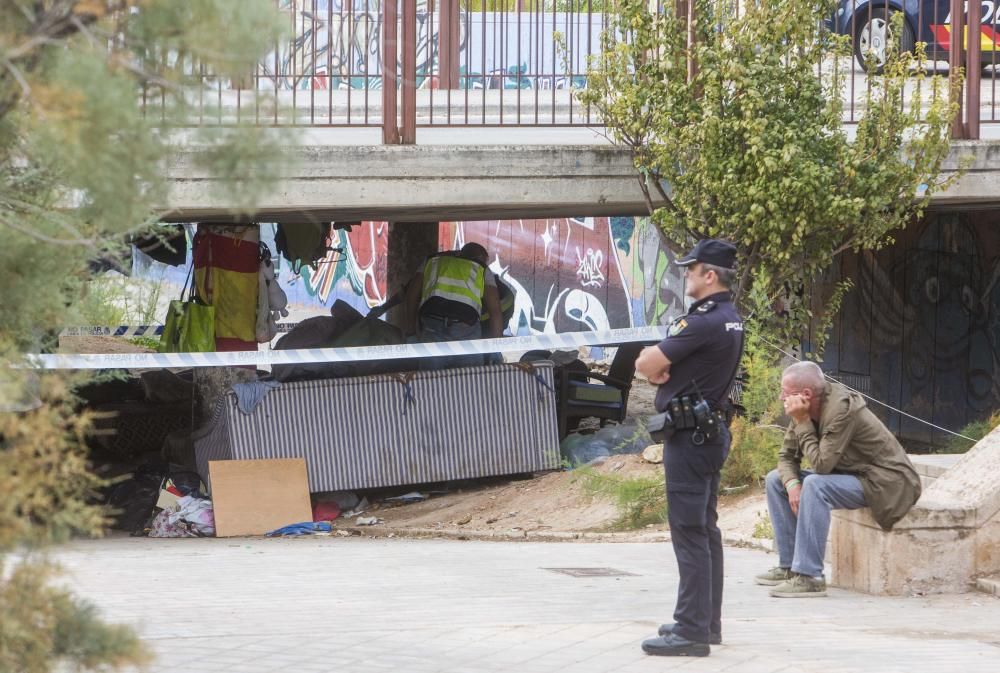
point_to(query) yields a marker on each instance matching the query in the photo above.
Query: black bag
(133, 500)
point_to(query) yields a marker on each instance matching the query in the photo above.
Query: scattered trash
(304, 528)
(413, 496)
(359, 509)
(344, 533)
(367, 520)
(189, 517)
(325, 511)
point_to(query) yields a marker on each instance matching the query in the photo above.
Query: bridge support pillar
(410, 244)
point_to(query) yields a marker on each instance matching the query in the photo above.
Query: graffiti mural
(569, 275)
(922, 327)
(590, 273)
(356, 273)
(337, 44)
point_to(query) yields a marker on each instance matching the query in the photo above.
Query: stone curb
(735, 540)
(989, 585)
(538, 535)
(502, 536)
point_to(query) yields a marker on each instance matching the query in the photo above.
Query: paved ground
(352, 604)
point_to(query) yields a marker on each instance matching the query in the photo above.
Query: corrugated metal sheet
(397, 429)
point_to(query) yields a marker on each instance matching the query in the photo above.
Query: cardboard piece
(254, 497)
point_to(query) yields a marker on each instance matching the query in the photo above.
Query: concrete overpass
(466, 174)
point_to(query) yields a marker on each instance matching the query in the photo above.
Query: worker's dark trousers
(692, 495)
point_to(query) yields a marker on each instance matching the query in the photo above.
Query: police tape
(127, 331)
(612, 337)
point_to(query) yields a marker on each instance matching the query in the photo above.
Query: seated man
(448, 297)
(856, 462)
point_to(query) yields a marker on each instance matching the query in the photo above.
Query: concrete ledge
(989, 585)
(932, 466)
(949, 538)
(415, 183)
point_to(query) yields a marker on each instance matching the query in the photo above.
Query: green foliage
(146, 342)
(755, 439)
(750, 144)
(976, 430)
(753, 453)
(639, 500)
(81, 167)
(763, 529)
(113, 299)
(39, 623)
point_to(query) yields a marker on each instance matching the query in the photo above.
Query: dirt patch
(553, 502)
(99, 344)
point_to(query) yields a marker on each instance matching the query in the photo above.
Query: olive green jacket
(852, 440)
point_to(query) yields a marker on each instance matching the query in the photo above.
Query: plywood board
(253, 497)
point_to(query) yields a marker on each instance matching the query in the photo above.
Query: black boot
(667, 629)
(674, 646)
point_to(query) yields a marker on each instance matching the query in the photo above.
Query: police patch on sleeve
(677, 327)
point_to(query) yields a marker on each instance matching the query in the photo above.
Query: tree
(80, 168)
(749, 143)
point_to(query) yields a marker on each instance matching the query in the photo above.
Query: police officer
(695, 363)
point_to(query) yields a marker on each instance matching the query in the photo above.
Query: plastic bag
(580, 449)
(626, 438)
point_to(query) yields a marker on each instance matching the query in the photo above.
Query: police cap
(711, 251)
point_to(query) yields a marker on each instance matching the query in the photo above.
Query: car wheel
(874, 32)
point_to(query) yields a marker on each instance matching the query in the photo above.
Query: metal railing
(400, 65)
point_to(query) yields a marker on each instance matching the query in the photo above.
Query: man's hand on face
(794, 495)
(797, 407)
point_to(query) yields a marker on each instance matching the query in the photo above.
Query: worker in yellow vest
(447, 299)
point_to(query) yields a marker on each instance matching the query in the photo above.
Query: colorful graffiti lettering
(356, 273)
(567, 274)
(577, 274)
(337, 44)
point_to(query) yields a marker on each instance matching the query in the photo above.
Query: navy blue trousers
(692, 473)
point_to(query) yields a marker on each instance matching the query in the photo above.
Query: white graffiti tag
(589, 267)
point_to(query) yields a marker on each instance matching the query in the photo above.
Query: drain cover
(591, 572)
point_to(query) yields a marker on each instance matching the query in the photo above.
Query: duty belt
(687, 412)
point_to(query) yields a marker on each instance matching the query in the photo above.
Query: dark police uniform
(704, 348)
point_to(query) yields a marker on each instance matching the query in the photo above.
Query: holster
(660, 426)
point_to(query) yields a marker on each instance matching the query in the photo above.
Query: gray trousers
(801, 540)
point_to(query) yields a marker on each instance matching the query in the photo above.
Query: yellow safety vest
(455, 279)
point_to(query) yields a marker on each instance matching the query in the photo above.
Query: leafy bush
(639, 500)
(756, 440)
(976, 430)
(754, 453)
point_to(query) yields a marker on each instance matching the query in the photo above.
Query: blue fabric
(436, 330)
(249, 395)
(304, 528)
(801, 540)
